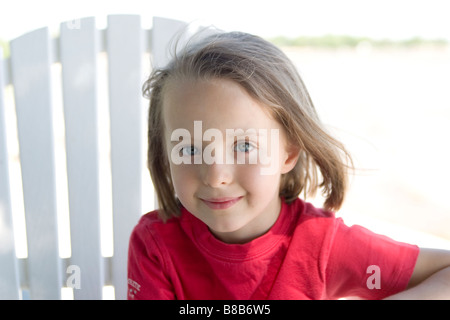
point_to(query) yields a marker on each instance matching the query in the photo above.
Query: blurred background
(378, 73)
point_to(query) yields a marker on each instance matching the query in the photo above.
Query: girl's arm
(430, 278)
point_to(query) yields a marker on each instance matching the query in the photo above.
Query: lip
(221, 203)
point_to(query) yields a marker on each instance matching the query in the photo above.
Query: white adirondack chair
(43, 273)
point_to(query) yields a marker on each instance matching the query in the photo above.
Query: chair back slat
(9, 275)
(166, 33)
(39, 69)
(31, 78)
(78, 54)
(125, 48)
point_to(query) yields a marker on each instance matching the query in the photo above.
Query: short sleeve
(146, 277)
(367, 265)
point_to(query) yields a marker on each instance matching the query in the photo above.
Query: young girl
(233, 140)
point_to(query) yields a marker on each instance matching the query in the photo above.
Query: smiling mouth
(221, 203)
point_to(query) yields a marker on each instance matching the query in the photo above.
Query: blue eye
(189, 151)
(243, 147)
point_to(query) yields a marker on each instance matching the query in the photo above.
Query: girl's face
(226, 156)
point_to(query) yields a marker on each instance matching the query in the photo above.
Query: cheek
(183, 180)
(257, 184)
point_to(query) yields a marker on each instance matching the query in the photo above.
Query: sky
(393, 19)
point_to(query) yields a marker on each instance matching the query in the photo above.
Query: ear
(290, 158)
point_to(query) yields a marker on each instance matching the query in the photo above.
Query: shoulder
(307, 210)
(309, 216)
(314, 228)
(148, 223)
(312, 212)
(150, 220)
(151, 230)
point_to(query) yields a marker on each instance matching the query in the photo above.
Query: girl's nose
(217, 175)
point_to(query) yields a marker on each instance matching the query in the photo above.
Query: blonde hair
(268, 75)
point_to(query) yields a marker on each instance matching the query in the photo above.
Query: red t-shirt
(307, 254)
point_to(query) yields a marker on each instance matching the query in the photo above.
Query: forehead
(218, 103)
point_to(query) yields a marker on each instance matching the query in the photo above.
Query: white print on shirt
(373, 282)
(134, 288)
